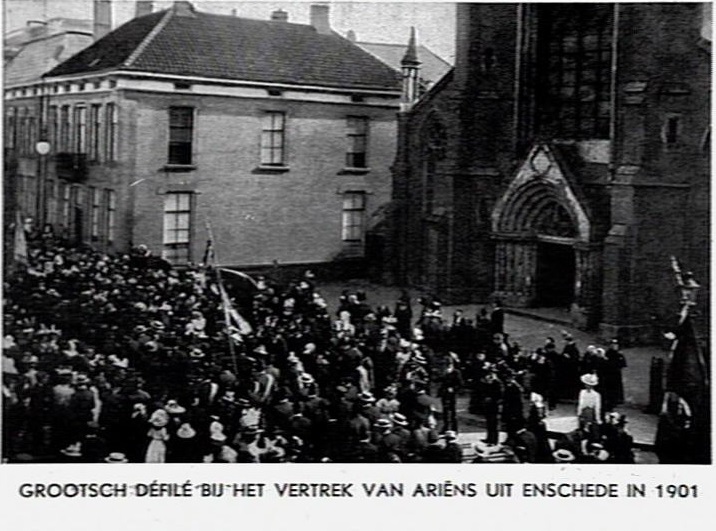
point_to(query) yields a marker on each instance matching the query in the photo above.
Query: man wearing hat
(400, 428)
(388, 443)
(617, 441)
(589, 406)
(452, 451)
(450, 385)
(492, 393)
(613, 383)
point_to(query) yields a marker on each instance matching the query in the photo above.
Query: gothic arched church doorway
(543, 255)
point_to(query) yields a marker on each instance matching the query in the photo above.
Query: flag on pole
(686, 400)
(208, 253)
(20, 244)
(242, 275)
(232, 317)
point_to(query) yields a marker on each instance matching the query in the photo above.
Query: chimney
(320, 18)
(279, 15)
(143, 7)
(102, 18)
(182, 8)
(351, 36)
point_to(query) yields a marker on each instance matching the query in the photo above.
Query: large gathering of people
(124, 358)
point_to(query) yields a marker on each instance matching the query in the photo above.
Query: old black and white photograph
(345, 232)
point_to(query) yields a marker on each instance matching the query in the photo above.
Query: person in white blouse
(589, 406)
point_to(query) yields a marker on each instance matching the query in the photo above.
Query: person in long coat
(611, 374)
(493, 391)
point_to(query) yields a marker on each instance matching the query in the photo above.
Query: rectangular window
(10, 129)
(181, 133)
(111, 202)
(353, 216)
(52, 127)
(22, 132)
(64, 143)
(357, 135)
(51, 194)
(94, 213)
(110, 132)
(177, 227)
(65, 205)
(71, 219)
(31, 135)
(272, 139)
(95, 135)
(80, 123)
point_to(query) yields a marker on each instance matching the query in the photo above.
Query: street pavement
(531, 333)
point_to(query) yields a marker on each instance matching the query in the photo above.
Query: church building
(561, 163)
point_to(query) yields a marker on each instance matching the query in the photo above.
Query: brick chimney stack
(102, 18)
(279, 15)
(321, 18)
(143, 7)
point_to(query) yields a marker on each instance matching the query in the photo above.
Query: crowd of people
(126, 359)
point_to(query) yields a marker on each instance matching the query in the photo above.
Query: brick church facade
(561, 163)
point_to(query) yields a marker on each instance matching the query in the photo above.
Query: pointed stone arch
(540, 220)
(541, 192)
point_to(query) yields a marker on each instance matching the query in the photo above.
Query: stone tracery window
(574, 57)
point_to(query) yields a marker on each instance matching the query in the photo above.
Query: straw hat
(399, 419)
(173, 408)
(590, 379)
(563, 456)
(449, 435)
(159, 418)
(73, 450)
(185, 431)
(116, 458)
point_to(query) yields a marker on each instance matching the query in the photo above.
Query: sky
(386, 22)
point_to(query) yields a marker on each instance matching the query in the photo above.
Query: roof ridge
(148, 39)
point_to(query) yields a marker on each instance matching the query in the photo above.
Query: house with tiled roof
(278, 136)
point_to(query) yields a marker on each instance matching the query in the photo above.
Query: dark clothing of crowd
(114, 358)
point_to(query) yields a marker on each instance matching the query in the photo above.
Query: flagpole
(224, 296)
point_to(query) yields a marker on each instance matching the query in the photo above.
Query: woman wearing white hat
(157, 449)
(589, 407)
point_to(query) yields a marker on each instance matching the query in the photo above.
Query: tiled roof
(228, 47)
(432, 66)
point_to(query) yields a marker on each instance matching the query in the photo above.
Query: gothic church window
(575, 50)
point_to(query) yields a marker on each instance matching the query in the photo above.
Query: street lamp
(42, 147)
